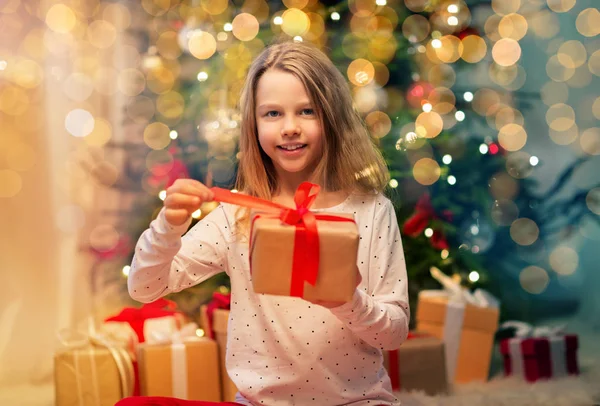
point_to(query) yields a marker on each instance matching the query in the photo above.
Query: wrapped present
(181, 365)
(159, 316)
(419, 365)
(465, 322)
(296, 252)
(539, 353)
(91, 370)
(215, 318)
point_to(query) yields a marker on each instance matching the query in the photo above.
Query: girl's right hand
(183, 198)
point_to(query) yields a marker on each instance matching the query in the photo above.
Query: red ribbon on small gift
(305, 264)
(394, 361)
(137, 316)
(424, 213)
(219, 301)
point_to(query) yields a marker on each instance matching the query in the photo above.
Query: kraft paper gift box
(535, 358)
(418, 365)
(218, 330)
(184, 366)
(92, 371)
(466, 329)
(278, 261)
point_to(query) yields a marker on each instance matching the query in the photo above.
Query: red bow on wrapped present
(424, 213)
(137, 316)
(219, 301)
(305, 264)
(394, 358)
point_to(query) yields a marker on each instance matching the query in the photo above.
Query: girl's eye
(272, 113)
(309, 112)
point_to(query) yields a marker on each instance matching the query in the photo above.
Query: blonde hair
(350, 162)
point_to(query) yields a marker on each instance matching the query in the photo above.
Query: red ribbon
(137, 316)
(394, 362)
(219, 301)
(424, 213)
(305, 265)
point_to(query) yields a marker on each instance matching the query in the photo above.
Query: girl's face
(289, 130)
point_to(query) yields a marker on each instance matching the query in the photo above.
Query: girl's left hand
(331, 305)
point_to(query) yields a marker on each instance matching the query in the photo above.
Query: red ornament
(466, 32)
(166, 174)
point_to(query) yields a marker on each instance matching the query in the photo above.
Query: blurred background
(487, 113)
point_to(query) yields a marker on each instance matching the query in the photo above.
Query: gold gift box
(421, 365)
(158, 376)
(91, 376)
(219, 327)
(272, 248)
(476, 337)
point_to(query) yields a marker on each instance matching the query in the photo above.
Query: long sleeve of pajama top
(284, 350)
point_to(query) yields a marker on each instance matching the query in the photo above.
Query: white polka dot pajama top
(283, 350)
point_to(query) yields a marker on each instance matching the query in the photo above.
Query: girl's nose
(290, 128)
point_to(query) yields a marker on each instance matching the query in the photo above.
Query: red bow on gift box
(305, 264)
(137, 316)
(424, 214)
(219, 301)
(394, 358)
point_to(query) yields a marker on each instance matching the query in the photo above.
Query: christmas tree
(461, 184)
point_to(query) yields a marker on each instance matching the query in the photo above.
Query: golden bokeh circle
(170, 105)
(202, 45)
(101, 34)
(245, 27)
(506, 52)
(101, 134)
(557, 71)
(131, 82)
(561, 6)
(416, 28)
(295, 22)
(504, 7)
(474, 48)
(503, 186)
(378, 123)
(590, 141)
(588, 22)
(564, 260)
(156, 136)
(592, 200)
(360, 72)
(504, 212)
(512, 137)
(594, 63)
(544, 24)
(524, 231)
(61, 18)
(572, 54)
(534, 279)
(429, 124)
(426, 171)
(167, 45)
(513, 26)
(560, 117)
(564, 137)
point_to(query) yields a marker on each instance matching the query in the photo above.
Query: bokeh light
(534, 279)
(426, 171)
(564, 260)
(524, 231)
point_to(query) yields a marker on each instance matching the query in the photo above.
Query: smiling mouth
(291, 147)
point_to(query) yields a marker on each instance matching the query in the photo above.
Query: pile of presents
(152, 351)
